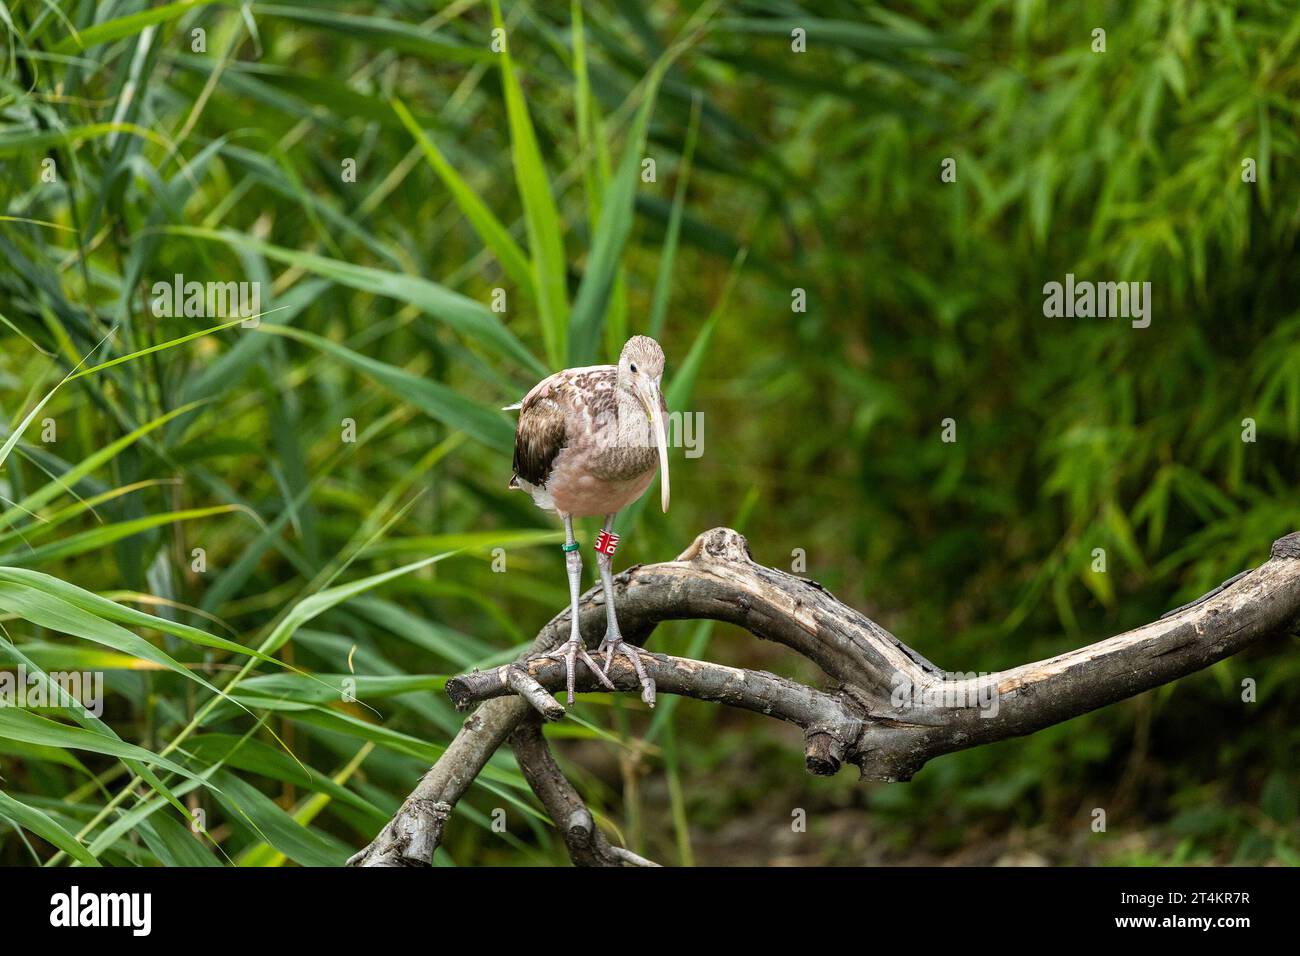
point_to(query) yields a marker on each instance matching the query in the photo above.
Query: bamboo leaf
(494, 235)
(545, 236)
(612, 231)
(317, 604)
(668, 255)
(45, 827)
(433, 398)
(466, 316)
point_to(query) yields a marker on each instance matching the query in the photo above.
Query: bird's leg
(613, 641)
(573, 649)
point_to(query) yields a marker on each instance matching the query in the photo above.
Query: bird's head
(640, 370)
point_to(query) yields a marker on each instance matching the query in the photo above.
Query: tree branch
(586, 844)
(892, 710)
(833, 717)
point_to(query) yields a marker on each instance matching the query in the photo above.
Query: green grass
(229, 693)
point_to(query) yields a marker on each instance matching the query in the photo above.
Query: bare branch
(586, 844)
(829, 721)
(414, 833)
(515, 678)
(892, 710)
(410, 838)
(758, 691)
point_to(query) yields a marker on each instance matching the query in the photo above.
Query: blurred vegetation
(774, 171)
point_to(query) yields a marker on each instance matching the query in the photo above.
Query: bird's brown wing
(539, 437)
(565, 400)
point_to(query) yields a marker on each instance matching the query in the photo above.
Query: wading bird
(586, 445)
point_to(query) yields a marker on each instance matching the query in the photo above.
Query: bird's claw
(612, 644)
(571, 651)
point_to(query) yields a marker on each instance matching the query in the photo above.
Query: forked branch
(890, 710)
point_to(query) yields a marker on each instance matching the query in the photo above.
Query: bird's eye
(633, 367)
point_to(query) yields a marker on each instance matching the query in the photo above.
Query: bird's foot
(571, 651)
(614, 644)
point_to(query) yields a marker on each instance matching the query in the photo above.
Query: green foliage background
(775, 170)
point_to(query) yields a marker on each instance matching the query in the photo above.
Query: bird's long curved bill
(651, 399)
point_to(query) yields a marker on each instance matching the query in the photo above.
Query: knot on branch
(410, 838)
(1287, 546)
(720, 544)
(823, 753)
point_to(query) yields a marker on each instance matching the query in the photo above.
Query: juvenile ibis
(588, 442)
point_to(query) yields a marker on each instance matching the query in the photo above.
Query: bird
(588, 443)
